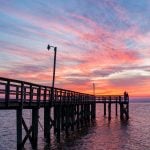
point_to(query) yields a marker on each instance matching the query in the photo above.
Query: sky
(105, 42)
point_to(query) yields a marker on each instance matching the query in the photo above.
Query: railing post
(25, 90)
(22, 94)
(31, 93)
(45, 91)
(7, 93)
(17, 93)
(39, 95)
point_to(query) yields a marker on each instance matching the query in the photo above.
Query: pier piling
(35, 118)
(116, 108)
(47, 124)
(104, 108)
(109, 110)
(19, 128)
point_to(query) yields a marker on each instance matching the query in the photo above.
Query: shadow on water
(70, 139)
(102, 130)
(124, 123)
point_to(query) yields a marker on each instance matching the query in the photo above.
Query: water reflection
(101, 135)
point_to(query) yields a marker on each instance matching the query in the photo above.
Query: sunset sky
(106, 42)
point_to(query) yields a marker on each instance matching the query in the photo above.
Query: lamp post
(47, 110)
(54, 65)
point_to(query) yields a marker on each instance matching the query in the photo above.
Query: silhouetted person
(125, 96)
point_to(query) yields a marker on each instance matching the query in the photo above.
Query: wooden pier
(122, 100)
(71, 110)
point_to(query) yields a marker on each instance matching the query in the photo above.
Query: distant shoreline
(139, 101)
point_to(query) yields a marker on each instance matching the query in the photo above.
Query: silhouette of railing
(25, 93)
(111, 98)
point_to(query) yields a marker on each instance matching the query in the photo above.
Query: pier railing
(23, 93)
(15, 91)
(111, 98)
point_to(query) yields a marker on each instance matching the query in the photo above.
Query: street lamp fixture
(54, 66)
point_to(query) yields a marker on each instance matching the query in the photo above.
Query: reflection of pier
(71, 110)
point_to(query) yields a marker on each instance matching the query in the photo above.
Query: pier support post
(105, 108)
(19, 128)
(78, 116)
(82, 115)
(109, 110)
(58, 121)
(116, 108)
(124, 111)
(47, 124)
(66, 119)
(55, 118)
(88, 110)
(62, 117)
(94, 110)
(72, 117)
(121, 111)
(35, 117)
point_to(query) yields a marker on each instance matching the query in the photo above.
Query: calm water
(104, 135)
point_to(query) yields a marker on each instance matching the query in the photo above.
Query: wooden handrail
(24, 91)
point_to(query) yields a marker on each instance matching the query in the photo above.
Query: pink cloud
(120, 11)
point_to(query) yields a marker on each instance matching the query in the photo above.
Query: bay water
(133, 134)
